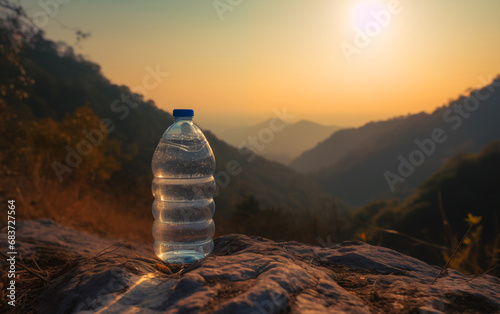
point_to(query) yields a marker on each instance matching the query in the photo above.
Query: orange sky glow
(332, 62)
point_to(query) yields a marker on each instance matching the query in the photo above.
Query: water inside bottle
(183, 188)
(183, 158)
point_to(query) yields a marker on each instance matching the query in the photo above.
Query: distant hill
(342, 142)
(357, 164)
(284, 145)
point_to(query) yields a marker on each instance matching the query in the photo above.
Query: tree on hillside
(13, 79)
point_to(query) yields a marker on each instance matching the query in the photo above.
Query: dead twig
(33, 259)
(486, 272)
(454, 252)
(390, 231)
(26, 268)
(117, 246)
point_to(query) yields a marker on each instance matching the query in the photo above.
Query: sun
(363, 11)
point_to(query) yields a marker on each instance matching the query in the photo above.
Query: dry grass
(83, 208)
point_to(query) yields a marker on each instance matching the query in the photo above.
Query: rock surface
(86, 274)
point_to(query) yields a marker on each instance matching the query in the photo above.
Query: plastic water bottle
(183, 187)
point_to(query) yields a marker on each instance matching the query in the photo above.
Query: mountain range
(379, 160)
(390, 158)
(357, 165)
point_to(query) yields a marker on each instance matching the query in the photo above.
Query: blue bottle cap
(183, 112)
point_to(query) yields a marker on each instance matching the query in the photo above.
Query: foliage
(14, 82)
(468, 184)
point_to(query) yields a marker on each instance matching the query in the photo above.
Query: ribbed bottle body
(183, 187)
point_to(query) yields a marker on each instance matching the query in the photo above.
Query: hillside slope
(342, 142)
(465, 184)
(354, 164)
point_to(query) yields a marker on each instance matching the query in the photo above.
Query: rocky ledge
(68, 271)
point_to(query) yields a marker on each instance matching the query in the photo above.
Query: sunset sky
(234, 64)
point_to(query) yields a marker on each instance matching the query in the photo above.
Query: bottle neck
(179, 119)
